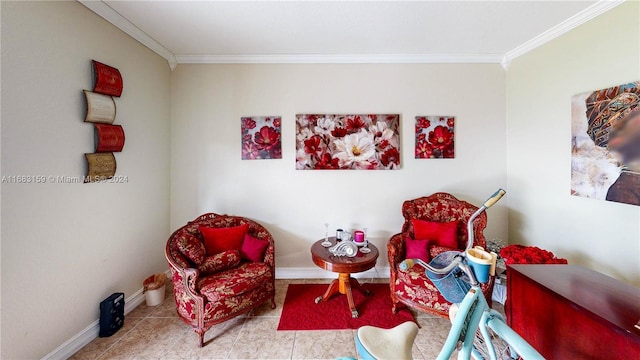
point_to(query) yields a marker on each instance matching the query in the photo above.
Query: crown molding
(341, 59)
(112, 16)
(564, 27)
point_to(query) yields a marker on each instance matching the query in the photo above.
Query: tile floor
(157, 333)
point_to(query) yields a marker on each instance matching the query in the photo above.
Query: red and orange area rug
(300, 312)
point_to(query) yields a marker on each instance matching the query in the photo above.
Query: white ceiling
(236, 29)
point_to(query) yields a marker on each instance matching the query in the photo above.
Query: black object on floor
(111, 314)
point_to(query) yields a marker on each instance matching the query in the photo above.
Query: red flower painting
(261, 137)
(267, 138)
(390, 157)
(434, 137)
(347, 142)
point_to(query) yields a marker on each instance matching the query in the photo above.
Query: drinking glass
(326, 242)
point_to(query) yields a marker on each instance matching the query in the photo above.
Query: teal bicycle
(477, 331)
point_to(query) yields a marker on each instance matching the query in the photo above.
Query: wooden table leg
(344, 285)
(333, 288)
(345, 280)
(355, 285)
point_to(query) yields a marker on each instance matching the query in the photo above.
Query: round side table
(344, 266)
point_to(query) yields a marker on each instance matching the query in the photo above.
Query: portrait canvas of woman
(605, 151)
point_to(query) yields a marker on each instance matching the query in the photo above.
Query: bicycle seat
(380, 344)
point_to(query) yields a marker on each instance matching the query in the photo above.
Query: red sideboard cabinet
(571, 312)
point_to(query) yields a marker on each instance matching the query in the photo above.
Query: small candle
(358, 236)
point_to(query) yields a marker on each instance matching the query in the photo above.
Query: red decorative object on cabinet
(571, 312)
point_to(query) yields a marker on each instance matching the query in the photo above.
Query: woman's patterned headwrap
(607, 107)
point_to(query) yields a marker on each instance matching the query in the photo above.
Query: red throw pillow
(417, 249)
(443, 234)
(191, 247)
(217, 240)
(253, 249)
(219, 262)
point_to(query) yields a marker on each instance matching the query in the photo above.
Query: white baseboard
(71, 346)
(84, 337)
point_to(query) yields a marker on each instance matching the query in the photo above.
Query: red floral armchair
(205, 300)
(413, 287)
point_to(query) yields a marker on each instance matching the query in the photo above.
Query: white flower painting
(347, 142)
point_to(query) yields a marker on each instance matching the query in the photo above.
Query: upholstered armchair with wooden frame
(222, 286)
(413, 287)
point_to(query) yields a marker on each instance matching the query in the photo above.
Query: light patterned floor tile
(166, 309)
(416, 354)
(378, 280)
(143, 310)
(259, 339)
(150, 339)
(218, 341)
(432, 335)
(97, 347)
(324, 344)
(424, 315)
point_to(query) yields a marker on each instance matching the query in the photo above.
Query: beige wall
(65, 247)
(601, 235)
(209, 175)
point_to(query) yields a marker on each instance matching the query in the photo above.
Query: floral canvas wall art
(347, 142)
(435, 137)
(261, 137)
(605, 144)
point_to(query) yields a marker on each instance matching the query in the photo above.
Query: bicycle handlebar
(494, 198)
(487, 204)
(408, 263)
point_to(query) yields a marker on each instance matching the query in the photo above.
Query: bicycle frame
(474, 313)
